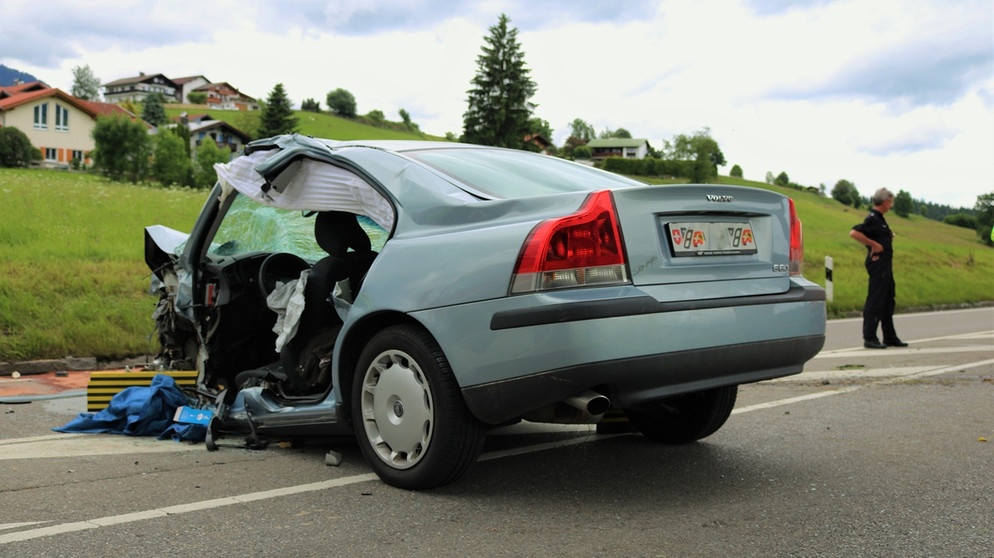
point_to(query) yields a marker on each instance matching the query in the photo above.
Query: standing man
(879, 308)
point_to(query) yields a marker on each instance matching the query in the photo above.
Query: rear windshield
(506, 174)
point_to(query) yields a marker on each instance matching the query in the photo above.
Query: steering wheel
(280, 266)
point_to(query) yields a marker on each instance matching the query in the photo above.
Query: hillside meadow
(74, 281)
(319, 125)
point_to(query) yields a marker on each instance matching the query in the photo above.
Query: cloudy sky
(889, 93)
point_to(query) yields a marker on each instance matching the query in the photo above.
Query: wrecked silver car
(415, 294)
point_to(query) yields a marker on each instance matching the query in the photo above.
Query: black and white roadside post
(828, 278)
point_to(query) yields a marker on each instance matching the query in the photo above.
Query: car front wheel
(685, 418)
(408, 412)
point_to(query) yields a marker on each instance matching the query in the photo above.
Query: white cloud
(891, 93)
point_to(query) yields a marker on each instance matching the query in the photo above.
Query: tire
(685, 418)
(409, 416)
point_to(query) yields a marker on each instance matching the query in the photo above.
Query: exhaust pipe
(583, 408)
(589, 402)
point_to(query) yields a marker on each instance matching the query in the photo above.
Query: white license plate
(711, 238)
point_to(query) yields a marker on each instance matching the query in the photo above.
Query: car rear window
(506, 174)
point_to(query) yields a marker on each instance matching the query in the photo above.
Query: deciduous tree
(903, 204)
(499, 102)
(405, 117)
(122, 148)
(208, 153)
(580, 129)
(700, 148)
(619, 133)
(171, 163)
(85, 85)
(342, 103)
(845, 192)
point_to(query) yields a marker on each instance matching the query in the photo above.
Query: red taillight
(581, 249)
(796, 242)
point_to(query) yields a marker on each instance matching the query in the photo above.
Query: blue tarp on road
(141, 411)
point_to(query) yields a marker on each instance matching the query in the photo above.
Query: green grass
(319, 125)
(74, 281)
(935, 265)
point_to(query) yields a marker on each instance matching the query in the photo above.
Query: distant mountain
(9, 75)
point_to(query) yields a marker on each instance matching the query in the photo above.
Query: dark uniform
(879, 307)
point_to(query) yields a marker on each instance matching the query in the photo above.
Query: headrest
(337, 231)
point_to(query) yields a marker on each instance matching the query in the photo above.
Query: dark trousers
(879, 307)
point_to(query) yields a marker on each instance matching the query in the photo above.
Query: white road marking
(78, 445)
(981, 335)
(891, 351)
(345, 481)
(5, 526)
(107, 521)
(923, 373)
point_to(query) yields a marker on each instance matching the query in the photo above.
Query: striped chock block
(103, 386)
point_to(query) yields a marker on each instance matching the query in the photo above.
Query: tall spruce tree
(277, 114)
(153, 110)
(499, 102)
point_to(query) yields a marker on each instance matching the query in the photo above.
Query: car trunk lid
(686, 242)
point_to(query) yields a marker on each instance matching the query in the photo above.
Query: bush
(122, 148)
(961, 220)
(207, 154)
(172, 165)
(16, 149)
(649, 167)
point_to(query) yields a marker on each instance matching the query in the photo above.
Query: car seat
(349, 257)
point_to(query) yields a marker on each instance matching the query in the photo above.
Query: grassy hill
(319, 125)
(74, 281)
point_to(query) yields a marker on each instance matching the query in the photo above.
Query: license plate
(711, 238)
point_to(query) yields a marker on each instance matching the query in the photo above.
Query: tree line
(500, 112)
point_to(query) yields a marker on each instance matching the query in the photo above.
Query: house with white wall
(626, 148)
(58, 124)
(138, 87)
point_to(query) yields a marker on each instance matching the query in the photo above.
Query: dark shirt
(875, 228)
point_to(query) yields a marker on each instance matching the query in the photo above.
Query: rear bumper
(515, 355)
(633, 381)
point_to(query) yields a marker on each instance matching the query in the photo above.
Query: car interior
(243, 342)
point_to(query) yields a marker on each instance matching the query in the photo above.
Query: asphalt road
(867, 453)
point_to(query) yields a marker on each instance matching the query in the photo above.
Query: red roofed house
(189, 84)
(57, 123)
(225, 97)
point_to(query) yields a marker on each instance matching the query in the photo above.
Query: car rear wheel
(408, 412)
(685, 418)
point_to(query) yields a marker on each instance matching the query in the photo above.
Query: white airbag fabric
(313, 186)
(287, 300)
